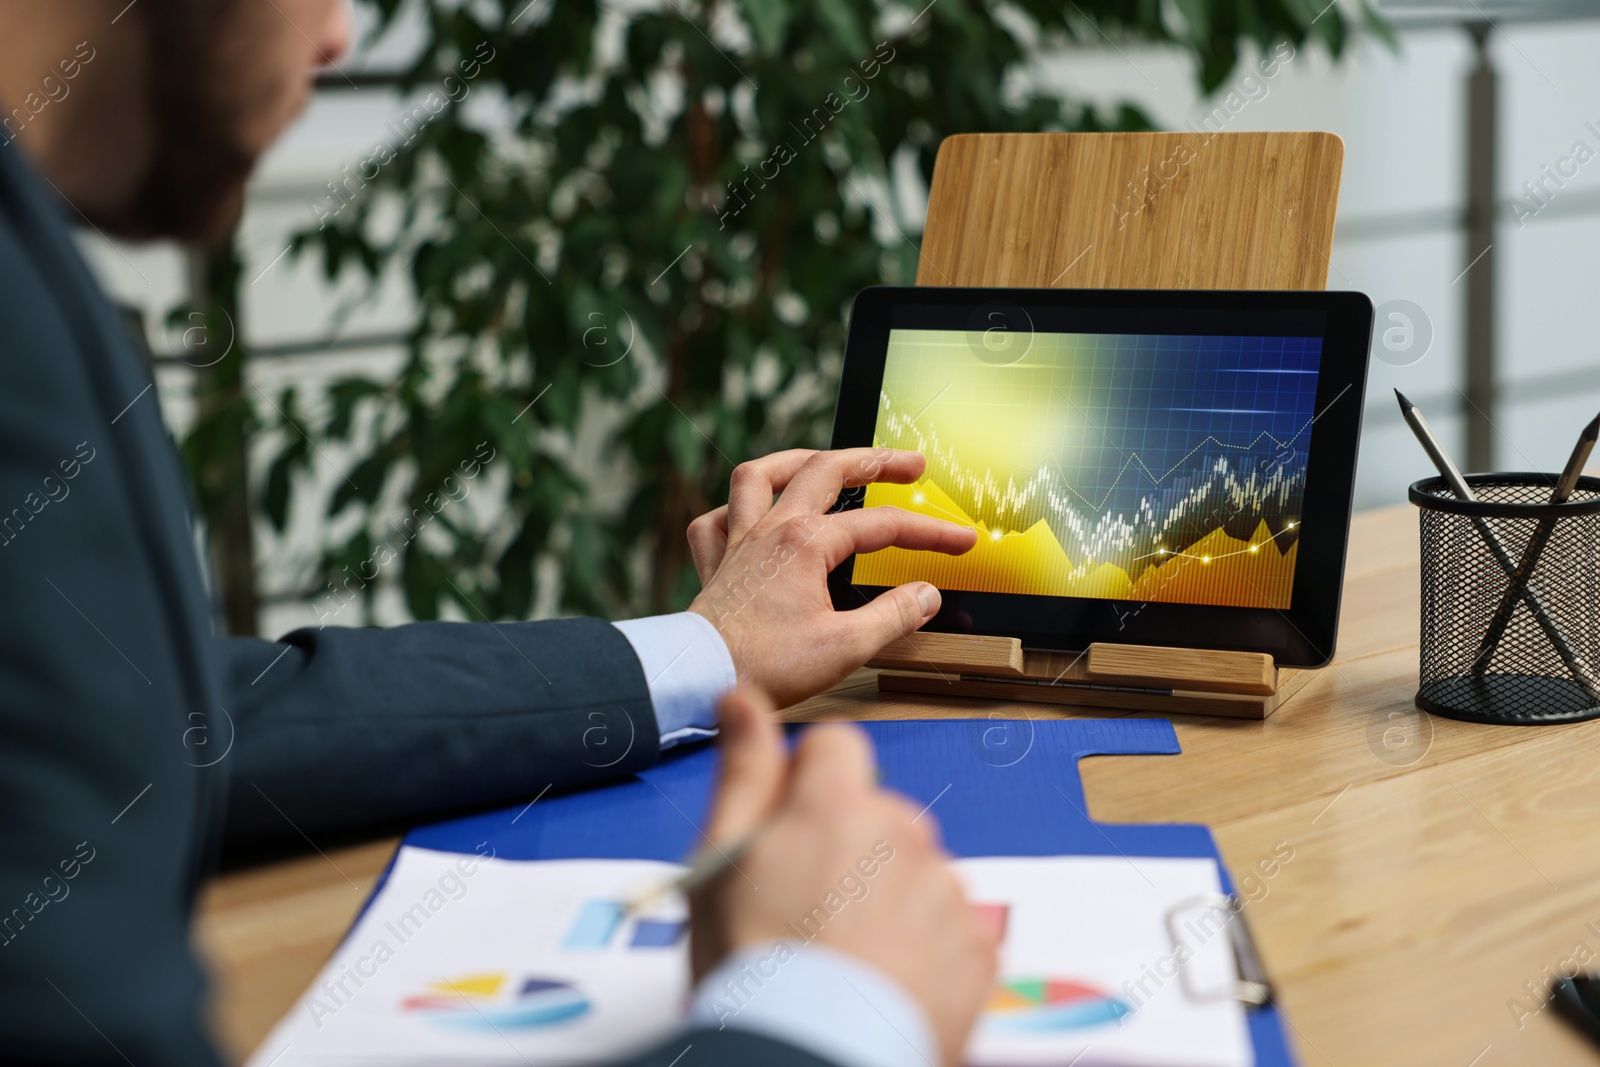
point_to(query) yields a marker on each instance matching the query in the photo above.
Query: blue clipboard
(973, 772)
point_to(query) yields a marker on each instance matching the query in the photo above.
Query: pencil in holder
(1510, 600)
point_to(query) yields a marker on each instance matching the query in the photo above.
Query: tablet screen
(1154, 467)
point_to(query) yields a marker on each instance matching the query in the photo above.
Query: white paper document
(467, 959)
(1092, 972)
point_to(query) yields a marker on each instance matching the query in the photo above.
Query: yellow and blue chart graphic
(1164, 468)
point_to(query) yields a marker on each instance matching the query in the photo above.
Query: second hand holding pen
(711, 862)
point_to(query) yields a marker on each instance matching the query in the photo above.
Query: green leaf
(516, 570)
(426, 584)
(1374, 21)
(685, 444)
(840, 19)
(1196, 17)
(363, 484)
(769, 19)
(275, 499)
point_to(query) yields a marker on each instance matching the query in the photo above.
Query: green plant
(585, 189)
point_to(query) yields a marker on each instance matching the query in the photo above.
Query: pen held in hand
(708, 863)
(711, 861)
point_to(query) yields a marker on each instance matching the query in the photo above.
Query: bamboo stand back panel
(1133, 210)
(1119, 211)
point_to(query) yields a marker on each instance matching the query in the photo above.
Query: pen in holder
(1510, 600)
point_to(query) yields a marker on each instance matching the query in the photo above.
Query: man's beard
(194, 190)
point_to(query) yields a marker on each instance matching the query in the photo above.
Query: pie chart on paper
(491, 1001)
(1022, 1005)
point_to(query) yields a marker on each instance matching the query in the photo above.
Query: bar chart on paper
(599, 922)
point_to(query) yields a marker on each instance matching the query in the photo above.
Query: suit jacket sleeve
(339, 731)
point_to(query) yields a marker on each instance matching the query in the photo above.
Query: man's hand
(829, 833)
(764, 567)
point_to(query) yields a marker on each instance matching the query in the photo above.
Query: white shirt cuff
(820, 1000)
(688, 669)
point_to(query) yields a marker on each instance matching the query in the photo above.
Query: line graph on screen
(1138, 467)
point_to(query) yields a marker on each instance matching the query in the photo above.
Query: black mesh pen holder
(1510, 600)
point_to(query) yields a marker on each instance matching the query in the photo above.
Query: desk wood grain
(1436, 866)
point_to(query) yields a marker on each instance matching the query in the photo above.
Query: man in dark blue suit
(144, 119)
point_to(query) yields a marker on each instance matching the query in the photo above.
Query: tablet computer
(1154, 467)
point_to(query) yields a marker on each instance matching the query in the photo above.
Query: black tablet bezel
(1301, 635)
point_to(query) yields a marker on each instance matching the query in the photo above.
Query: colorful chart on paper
(599, 921)
(1043, 1004)
(493, 1000)
(1162, 468)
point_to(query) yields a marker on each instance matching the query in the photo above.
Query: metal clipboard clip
(1252, 985)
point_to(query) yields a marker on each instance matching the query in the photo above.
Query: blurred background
(521, 287)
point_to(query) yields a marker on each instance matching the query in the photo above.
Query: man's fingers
(751, 488)
(816, 485)
(922, 825)
(708, 542)
(869, 529)
(900, 612)
(833, 761)
(754, 766)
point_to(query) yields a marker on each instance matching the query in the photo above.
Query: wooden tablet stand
(1188, 210)
(1240, 685)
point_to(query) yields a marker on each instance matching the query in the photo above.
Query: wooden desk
(1431, 877)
